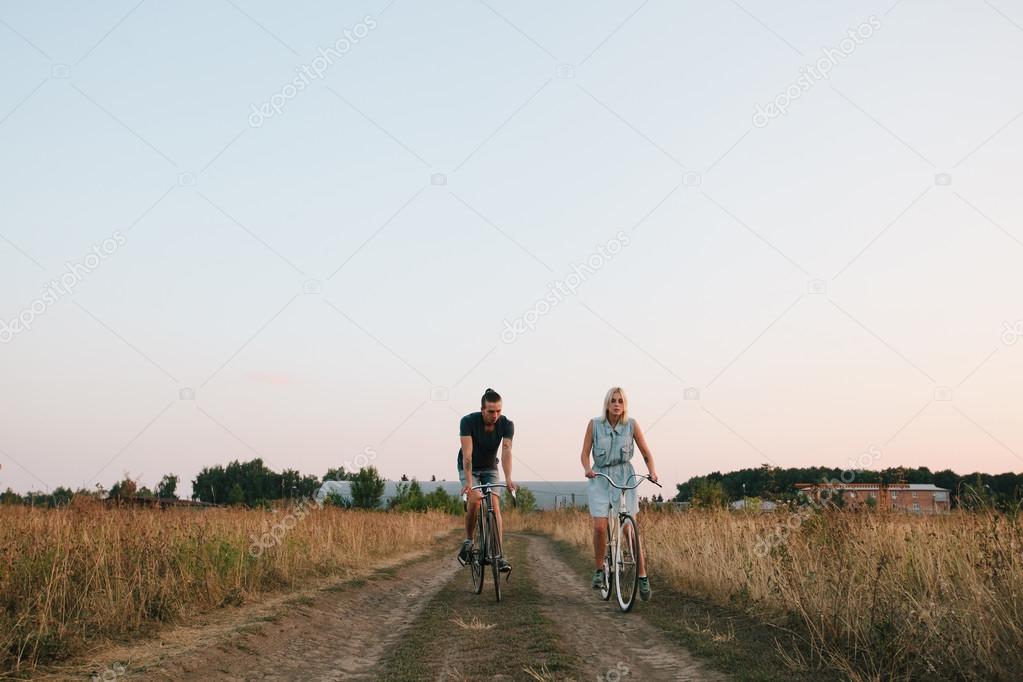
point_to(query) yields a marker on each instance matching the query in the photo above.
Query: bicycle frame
(487, 545)
(616, 558)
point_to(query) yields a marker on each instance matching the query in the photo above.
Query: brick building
(919, 498)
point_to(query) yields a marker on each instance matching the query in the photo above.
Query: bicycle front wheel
(479, 548)
(626, 563)
(494, 548)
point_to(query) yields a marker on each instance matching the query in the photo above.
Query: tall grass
(71, 577)
(875, 595)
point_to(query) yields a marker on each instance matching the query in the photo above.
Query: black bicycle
(486, 545)
(622, 553)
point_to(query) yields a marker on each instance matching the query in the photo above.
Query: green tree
(10, 497)
(367, 488)
(338, 474)
(167, 487)
(441, 501)
(337, 500)
(236, 495)
(123, 489)
(708, 494)
(525, 500)
(62, 497)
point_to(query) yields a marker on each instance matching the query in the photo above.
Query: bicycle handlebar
(629, 487)
(514, 491)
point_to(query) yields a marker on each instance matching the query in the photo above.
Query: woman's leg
(641, 560)
(599, 541)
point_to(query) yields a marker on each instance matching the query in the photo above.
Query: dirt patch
(334, 630)
(462, 636)
(612, 644)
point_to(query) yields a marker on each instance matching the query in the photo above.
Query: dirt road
(608, 639)
(418, 620)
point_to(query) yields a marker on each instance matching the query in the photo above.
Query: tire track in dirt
(338, 633)
(614, 645)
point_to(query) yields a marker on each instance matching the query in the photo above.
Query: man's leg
(472, 504)
(472, 509)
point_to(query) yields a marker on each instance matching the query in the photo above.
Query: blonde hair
(625, 403)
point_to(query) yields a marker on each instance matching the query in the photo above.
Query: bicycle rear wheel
(626, 563)
(479, 548)
(494, 549)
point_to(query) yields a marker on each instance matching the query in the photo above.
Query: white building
(548, 494)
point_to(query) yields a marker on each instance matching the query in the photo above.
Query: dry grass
(476, 623)
(74, 577)
(877, 596)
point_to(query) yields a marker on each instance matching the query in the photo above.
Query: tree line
(253, 484)
(1004, 491)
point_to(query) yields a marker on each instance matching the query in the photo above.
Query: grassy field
(76, 577)
(863, 596)
(874, 596)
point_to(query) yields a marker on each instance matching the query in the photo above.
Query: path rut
(615, 645)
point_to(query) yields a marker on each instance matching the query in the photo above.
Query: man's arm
(467, 462)
(506, 461)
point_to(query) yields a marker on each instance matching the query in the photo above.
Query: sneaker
(598, 579)
(464, 553)
(644, 589)
(502, 565)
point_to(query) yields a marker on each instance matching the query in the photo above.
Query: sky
(315, 233)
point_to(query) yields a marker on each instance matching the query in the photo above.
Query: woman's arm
(648, 456)
(584, 457)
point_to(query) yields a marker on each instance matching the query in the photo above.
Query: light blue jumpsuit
(612, 450)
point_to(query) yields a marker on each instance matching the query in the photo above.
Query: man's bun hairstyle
(489, 396)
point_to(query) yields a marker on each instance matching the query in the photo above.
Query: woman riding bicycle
(610, 439)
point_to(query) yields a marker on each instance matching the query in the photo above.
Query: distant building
(155, 503)
(919, 498)
(754, 504)
(548, 494)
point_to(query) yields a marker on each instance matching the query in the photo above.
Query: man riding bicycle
(481, 433)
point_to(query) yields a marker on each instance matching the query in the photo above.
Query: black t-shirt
(484, 443)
